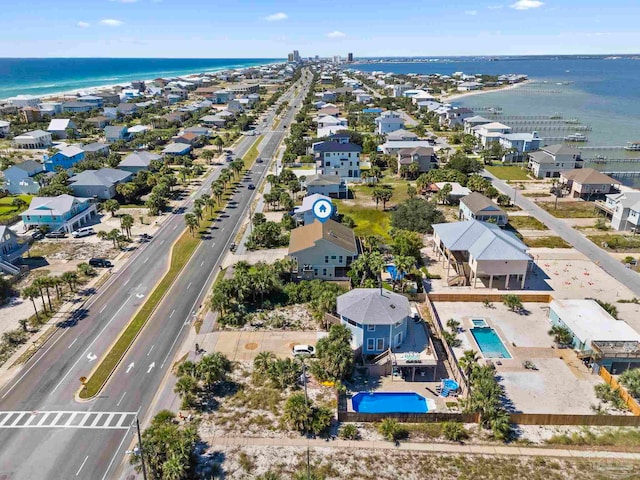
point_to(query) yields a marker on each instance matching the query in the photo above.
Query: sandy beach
(458, 96)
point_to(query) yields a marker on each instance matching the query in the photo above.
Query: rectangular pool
(479, 322)
(389, 402)
(489, 342)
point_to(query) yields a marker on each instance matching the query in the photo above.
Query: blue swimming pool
(389, 402)
(489, 342)
(479, 322)
(393, 272)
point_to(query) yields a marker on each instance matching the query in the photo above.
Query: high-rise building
(349, 57)
(296, 56)
(290, 57)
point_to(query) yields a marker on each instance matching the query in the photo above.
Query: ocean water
(43, 76)
(601, 93)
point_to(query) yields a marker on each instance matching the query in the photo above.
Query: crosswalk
(66, 419)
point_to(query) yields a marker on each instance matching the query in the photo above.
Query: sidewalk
(448, 448)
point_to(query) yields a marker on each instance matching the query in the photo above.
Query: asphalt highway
(44, 431)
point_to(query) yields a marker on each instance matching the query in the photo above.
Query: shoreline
(106, 87)
(458, 96)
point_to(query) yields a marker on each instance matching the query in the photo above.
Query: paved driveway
(609, 264)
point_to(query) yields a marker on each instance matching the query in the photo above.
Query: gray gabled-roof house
(476, 206)
(98, 183)
(138, 160)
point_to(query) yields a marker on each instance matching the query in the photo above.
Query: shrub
(349, 432)
(391, 430)
(454, 431)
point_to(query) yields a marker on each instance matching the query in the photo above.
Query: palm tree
(70, 278)
(262, 361)
(31, 292)
(404, 264)
(47, 284)
(57, 282)
(126, 222)
(39, 284)
(213, 368)
(631, 380)
(390, 429)
(192, 223)
(468, 362)
(175, 468)
(500, 424)
(187, 368)
(187, 388)
(219, 143)
(297, 412)
(111, 206)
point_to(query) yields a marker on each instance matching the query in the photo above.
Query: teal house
(62, 213)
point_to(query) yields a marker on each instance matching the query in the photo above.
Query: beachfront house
(416, 160)
(388, 121)
(455, 116)
(337, 158)
(60, 127)
(401, 135)
(596, 335)
(476, 206)
(65, 158)
(624, 208)
(323, 250)
(33, 139)
(328, 185)
(98, 183)
(113, 133)
(138, 160)
(5, 128)
(19, 179)
(377, 319)
(304, 213)
(480, 250)
(518, 144)
(469, 86)
(76, 107)
(62, 213)
(490, 132)
(550, 161)
(588, 183)
(474, 121)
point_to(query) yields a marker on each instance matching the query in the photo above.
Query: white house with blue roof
(479, 250)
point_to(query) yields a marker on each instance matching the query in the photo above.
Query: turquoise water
(478, 322)
(393, 271)
(389, 402)
(489, 342)
(43, 76)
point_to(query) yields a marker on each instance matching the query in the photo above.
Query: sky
(271, 29)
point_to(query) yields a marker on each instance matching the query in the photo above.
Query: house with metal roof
(113, 133)
(33, 139)
(96, 148)
(62, 213)
(323, 250)
(138, 160)
(424, 159)
(65, 158)
(476, 206)
(474, 121)
(624, 208)
(480, 250)
(19, 177)
(588, 182)
(8, 244)
(177, 149)
(328, 185)
(98, 183)
(304, 213)
(388, 121)
(401, 135)
(338, 158)
(549, 161)
(58, 127)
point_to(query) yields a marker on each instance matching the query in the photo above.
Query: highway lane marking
(125, 283)
(161, 241)
(174, 311)
(72, 343)
(150, 350)
(139, 286)
(66, 419)
(151, 365)
(174, 227)
(90, 345)
(213, 244)
(117, 452)
(189, 286)
(85, 461)
(146, 260)
(202, 263)
(121, 398)
(103, 309)
(130, 366)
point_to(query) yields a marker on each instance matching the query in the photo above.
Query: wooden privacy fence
(492, 297)
(628, 399)
(435, 417)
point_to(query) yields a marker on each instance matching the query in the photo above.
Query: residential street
(609, 264)
(88, 440)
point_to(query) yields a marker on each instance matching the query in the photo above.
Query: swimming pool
(389, 402)
(393, 272)
(489, 342)
(479, 322)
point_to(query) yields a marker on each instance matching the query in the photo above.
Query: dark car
(251, 186)
(37, 235)
(100, 262)
(232, 247)
(259, 160)
(56, 235)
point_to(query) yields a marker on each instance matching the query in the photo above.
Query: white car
(83, 232)
(303, 350)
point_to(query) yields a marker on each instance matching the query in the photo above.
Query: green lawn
(7, 211)
(616, 242)
(508, 172)
(526, 223)
(570, 209)
(252, 153)
(369, 221)
(548, 242)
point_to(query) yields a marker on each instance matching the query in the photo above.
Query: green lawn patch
(369, 221)
(527, 223)
(535, 194)
(616, 242)
(508, 172)
(570, 209)
(548, 242)
(252, 153)
(9, 211)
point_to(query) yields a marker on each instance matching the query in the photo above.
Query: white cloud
(471, 12)
(276, 17)
(495, 7)
(526, 4)
(336, 34)
(83, 24)
(110, 22)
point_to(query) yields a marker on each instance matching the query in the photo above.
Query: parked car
(303, 350)
(83, 232)
(144, 237)
(100, 262)
(232, 247)
(37, 235)
(259, 160)
(251, 186)
(56, 235)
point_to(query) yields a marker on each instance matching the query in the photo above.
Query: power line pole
(144, 468)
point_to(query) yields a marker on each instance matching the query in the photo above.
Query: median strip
(181, 252)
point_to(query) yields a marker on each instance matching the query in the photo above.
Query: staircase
(9, 268)
(381, 359)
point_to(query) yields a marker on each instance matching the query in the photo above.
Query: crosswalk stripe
(66, 419)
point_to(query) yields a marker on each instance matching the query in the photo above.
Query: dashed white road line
(150, 350)
(174, 311)
(72, 343)
(121, 398)
(85, 461)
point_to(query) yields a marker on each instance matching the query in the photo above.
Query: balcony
(602, 205)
